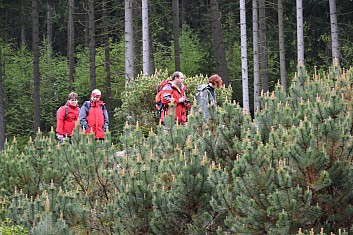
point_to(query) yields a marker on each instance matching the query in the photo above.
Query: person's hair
(176, 74)
(215, 80)
(72, 96)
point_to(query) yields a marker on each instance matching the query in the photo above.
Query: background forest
(285, 169)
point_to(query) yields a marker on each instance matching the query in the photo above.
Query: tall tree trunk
(300, 33)
(334, 32)
(137, 35)
(71, 42)
(175, 6)
(263, 46)
(129, 42)
(2, 107)
(255, 19)
(49, 27)
(23, 27)
(108, 90)
(244, 57)
(218, 43)
(282, 56)
(145, 39)
(36, 75)
(92, 45)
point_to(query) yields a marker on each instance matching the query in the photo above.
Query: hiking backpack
(158, 99)
(200, 89)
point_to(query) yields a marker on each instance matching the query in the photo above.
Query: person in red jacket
(175, 93)
(94, 116)
(67, 117)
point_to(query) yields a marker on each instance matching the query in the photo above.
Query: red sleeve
(60, 116)
(166, 95)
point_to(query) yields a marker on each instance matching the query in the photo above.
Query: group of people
(93, 115)
(174, 94)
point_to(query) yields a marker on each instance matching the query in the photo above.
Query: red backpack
(158, 100)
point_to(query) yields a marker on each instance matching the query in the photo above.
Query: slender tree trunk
(255, 19)
(145, 38)
(300, 33)
(71, 42)
(49, 26)
(107, 58)
(175, 6)
(23, 31)
(129, 42)
(2, 107)
(36, 75)
(92, 45)
(263, 53)
(218, 43)
(282, 56)
(334, 32)
(137, 35)
(244, 57)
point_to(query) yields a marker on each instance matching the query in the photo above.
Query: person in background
(207, 94)
(174, 93)
(66, 118)
(94, 116)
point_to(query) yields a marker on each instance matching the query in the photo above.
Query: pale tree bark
(23, 31)
(334, 32)
(255, 19)
(175, 6)
(36, 75)
(263, 52)
(300, 33)
(282, 56)
(218, 43)
(145, 39)
(129, 42)
(108, 89)
(137, 35)
(244, 57)
(2, 107)
(92, 45)
(49, 26)
(71, 41)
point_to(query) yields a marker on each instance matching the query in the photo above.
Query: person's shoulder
(202, 87)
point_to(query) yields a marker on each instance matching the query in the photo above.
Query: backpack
(200, 89)
(66, 111)
(158, 99)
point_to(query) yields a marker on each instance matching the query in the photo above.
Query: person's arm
(83, 115)
(60, 116)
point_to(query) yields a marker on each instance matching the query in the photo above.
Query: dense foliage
(288, 170)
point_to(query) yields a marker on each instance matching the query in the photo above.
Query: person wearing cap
(94, 116)
(66, 118)
(207, 95)
(174, 93)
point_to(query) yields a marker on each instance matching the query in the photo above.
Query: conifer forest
(274, 157)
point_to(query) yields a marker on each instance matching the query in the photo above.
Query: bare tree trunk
(23, 31)
(92, 45)
(282, 56)
(2, 107)
(300, 33)
(36, 75)
(175, 6)
(107, 58)
(129, 42)
(49, 27)
(255, 19)
(263, 56)
(71, 42)
(244, 57)
(145, 39)
(218, 43)
(334, 32)
(137, 35)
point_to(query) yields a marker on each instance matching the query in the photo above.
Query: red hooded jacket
(65, 124)
(94, 118)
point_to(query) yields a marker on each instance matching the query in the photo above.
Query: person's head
(96, 95)
(215, 80)
(72, 99)
(178, 78)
